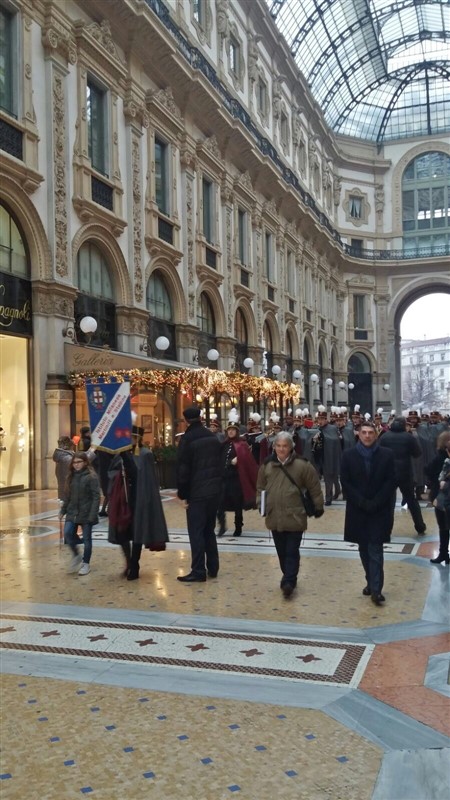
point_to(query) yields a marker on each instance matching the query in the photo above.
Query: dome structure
(379, 70)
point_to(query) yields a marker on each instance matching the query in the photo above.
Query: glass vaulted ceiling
(379, 70)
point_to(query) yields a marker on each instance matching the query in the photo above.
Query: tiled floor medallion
(187, 648)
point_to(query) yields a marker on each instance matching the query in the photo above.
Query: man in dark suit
(369, 483)
(199, 484)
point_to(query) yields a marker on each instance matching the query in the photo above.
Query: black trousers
(372, 558)
(201, 519)
(444, 534)
(287, 545)
(238, 519)
(406, 487)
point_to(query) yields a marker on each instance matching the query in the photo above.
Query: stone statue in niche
(223, 25)
(379, 198)
(253, 57)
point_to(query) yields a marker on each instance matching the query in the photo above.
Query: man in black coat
(199, 484)
(368, 481)
(404, 447)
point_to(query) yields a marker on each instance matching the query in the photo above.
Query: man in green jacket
(284, 476)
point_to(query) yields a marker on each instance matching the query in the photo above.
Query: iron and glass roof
(379, 70)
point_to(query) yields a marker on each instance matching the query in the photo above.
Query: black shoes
(237, 532)
(213, 574)
(133, 574)
(440, 558)
(103, 513)
(380, 598)
(191, 578)
(420, 530)
(287, 590)
(328, 502)
(222, 531)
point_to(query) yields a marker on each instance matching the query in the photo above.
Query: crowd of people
(242, 467)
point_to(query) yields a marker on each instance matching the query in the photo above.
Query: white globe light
(341, 384)
(386, 387)
(162, 343)
(88, 325)
(248, 363)
(296, 374)
(314, 377)
(351, 386)
(276, 369)
(329, 382)
(212, 354)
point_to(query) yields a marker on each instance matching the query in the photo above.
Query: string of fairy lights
(202, 382)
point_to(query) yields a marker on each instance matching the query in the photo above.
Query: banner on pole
(110, 416)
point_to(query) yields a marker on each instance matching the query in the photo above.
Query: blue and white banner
(110, 416)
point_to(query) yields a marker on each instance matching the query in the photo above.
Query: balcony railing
(199, 62)
(394, 255)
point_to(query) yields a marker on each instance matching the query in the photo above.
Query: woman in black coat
(432, 471)
(369, 483)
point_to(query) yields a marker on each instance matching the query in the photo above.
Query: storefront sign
(90, 359)
(15, 305)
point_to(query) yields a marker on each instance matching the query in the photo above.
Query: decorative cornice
(206, 273)
(95, 41)
(57, 39)
(88, 211)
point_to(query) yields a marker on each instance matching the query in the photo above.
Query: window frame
(103, 165)
(164, 146)
(12, 40)
(208, 209)
(269, 266)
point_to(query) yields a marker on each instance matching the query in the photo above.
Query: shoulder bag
(307, 500)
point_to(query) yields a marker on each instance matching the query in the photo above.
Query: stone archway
(420, 287)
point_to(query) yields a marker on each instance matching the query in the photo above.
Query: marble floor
(153, 688)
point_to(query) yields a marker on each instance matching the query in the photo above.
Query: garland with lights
(203, 382)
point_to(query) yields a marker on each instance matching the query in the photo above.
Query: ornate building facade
(165, 170)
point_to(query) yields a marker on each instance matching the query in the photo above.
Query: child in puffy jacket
(80, 507)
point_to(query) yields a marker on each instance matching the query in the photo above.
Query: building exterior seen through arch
(243, 220)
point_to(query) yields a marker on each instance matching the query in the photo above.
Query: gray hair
(284, 436)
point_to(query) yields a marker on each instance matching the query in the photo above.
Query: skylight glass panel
(345, 47)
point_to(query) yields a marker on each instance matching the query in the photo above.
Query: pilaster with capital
(58, 199)
(57, 422)
(227, 196)
(257, 250)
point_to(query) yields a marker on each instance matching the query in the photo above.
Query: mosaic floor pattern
(156, 688)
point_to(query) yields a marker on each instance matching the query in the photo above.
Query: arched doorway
(360, 375)
(425, 288)
(425, 354)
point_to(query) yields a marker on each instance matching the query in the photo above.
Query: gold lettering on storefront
(10, 313)
(82, 361)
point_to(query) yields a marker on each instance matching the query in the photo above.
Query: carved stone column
(188, 162)
(57, 423)
(227, 197)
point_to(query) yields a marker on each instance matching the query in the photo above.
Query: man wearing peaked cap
(326, 447)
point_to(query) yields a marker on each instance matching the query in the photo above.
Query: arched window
(207, 325)
(158, 299)
(426, 203)
(205, 315)
(160, 323)
(358, 363)
(13, 254)
(289, 357)
(241, 346)
(306, 370)
(268, 350)
(96, 298)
